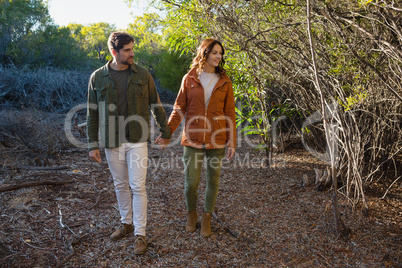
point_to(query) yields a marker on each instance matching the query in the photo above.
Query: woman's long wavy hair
(203, 52)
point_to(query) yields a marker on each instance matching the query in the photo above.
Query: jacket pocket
(222, 89)
(102, 93)
(139, 88)
(219, 97)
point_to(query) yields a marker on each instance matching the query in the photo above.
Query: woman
(206, 99)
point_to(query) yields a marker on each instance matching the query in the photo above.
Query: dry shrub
(45, 89)
(32, 131)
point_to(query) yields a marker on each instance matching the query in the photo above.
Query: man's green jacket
(102, 112)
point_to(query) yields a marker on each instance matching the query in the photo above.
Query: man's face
(125, 55)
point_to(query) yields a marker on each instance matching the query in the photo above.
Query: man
(119, 97)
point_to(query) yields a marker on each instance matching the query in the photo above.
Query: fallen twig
(12, 187)
(9, 256)
(224, 225)
(71, 245)
(74, 242)
(98, 196)
(44, 168)
(96, 202)
(61, 222)
(34, 246)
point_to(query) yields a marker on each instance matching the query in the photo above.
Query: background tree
(29, 38)
(148, 40)
(151, 50)
(19, 18)
(51, 47)
(93, 40)
(358, 62)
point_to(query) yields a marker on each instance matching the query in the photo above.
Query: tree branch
(12, 187)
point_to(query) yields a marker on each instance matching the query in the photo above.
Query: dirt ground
(264, 216)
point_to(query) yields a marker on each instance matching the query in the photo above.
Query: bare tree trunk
(329, 140)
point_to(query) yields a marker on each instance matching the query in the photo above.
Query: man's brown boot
(191, 221)
(206, 224)
(140, 245)
(122, 232)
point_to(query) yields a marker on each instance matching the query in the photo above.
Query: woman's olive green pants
(192, 159)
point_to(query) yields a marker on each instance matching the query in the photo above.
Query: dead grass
(29, 137)
(24, 201)
(45, 89)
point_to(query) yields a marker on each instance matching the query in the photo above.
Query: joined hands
(162, 142)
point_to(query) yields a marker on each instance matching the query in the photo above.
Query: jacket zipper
(205, 123)
(206, 109)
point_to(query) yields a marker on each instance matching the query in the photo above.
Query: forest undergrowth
(264, 216)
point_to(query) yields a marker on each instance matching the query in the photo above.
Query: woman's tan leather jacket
(205, 127)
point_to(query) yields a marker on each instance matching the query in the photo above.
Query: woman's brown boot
(206, 224)
(191, 221)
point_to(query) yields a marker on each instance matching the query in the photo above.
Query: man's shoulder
(98, 73)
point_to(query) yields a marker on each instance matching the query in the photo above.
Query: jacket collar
(106, 70)
(222, 80)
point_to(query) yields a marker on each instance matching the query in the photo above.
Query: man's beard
(127, 63)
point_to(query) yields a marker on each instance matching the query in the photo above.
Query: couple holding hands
(120, 95)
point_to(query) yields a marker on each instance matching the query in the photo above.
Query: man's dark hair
(117, 40)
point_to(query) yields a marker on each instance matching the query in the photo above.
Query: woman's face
(215, 56)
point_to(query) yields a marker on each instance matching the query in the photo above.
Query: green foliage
(151, 51)
(183, 28)
(29, 37)
(19, 18)
(364, 2)
(171, 69)
(93, 40)
(352, 100)
(50, 47)
(148, 41)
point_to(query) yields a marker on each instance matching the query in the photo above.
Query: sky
(86, 12)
